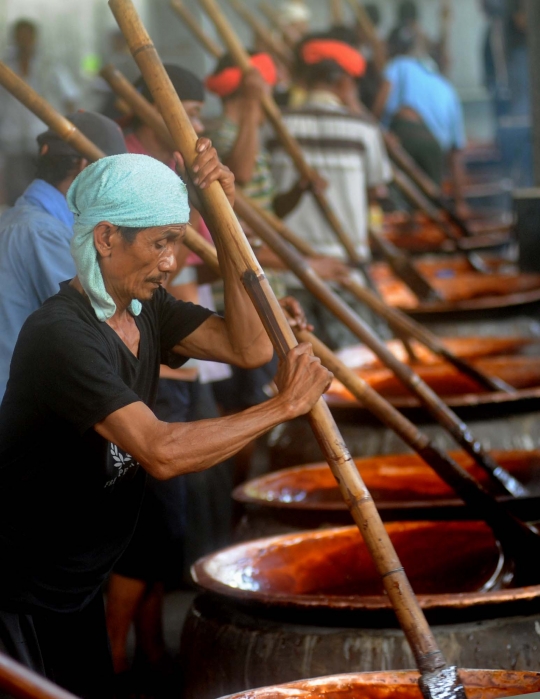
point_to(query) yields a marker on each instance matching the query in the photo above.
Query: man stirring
(77, 431)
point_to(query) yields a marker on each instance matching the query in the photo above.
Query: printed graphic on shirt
(122, 462)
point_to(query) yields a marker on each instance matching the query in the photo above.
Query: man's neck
(152, 145)
(325, 94)
(122, 313)
(24, 59)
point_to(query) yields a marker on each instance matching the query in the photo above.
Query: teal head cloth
(125, 190)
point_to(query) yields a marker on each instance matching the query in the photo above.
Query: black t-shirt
(69, 499)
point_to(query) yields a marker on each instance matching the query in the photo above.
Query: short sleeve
(379, 169)
(71, 373)
(177, 319)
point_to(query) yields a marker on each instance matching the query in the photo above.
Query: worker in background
(182, 518)
(240, 141)
(35, 234)
(19, 127)
(77, 431)
(348, 153)
(422, 108)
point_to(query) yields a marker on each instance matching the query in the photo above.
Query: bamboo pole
(429, 399)
(272, 16)
(36, 104)
(272, 43)
(410, 276)
(418, 199)
(365, 23)
(404, 326)
(231, 241)
(396, 318)
(195, 27)
(516, 537)
(20, 682)
(336, 12)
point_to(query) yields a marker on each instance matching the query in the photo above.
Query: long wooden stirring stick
(515, 536)
(63, 127)
(272, 43)
(407, 271)
(231, 241)
(264, 224)
(406, 174)
(272, 16)
(403, 324)
(147, 113)
(412, 278)
(429, 399)
(195, 27)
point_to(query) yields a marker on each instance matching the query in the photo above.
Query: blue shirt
(415, 85)
(34, 259)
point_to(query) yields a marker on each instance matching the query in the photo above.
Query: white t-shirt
(349, 154)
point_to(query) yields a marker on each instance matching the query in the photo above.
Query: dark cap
(102, 131)
(187, 85)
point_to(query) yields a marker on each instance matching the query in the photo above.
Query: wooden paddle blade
(444, 683)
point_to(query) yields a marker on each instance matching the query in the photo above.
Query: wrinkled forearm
(247, 336)
(181, 448)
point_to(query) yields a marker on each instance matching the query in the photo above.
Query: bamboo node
(144, 47)
(401, 569)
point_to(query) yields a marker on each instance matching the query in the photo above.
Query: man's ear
(83, 162)
(104, 238)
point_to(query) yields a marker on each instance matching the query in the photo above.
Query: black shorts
(70, 649)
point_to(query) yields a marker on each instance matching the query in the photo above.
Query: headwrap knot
(344, 55)
(227, 81)
(130, 190)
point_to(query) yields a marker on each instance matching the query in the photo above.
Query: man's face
(135, 270)
(25, 38)
(193, 110)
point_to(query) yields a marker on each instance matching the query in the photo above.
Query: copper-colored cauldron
(402, 485)
(311, 604)
(478, 684)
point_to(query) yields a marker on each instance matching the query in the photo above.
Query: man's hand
(254, 87)
(302, 379)
(207, 168)
(316, 183)
(295, 313)
(329, 268)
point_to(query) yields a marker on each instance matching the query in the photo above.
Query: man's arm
(167, 450)
(239, 338)
(241, 158)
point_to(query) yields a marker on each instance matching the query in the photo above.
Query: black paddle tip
(442, 684)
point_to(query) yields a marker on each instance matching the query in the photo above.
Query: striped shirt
(349, 154)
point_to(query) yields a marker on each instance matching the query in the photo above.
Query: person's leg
(124, 597)
(149, 625)
(130, 596)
